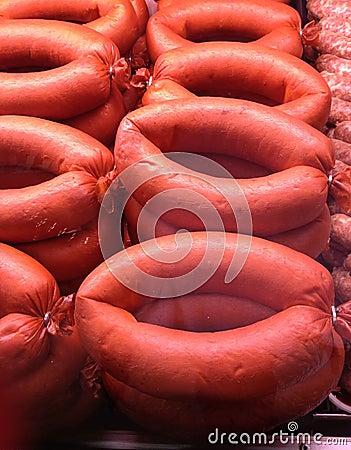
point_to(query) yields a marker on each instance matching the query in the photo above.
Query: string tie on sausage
(149, 82)
(341, 316)
(111, 72)
(60, 320)
(330, 180)
(47, 318)
(333, 309)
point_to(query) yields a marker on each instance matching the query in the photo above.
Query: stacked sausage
(179, 355)
(191, 331)
(226, 355)
(278, 80)
(64, 89)
(89, 86)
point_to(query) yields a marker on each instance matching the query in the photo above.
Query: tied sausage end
(136, 88)
(103, 184)
(342, 320)
(60, 320)
(340, 187)
(310, 34)
(120, 73)
(119, 70)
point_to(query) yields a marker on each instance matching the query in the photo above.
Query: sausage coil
(229, 69)
(214, 349)
(297, 173)
(265, 22)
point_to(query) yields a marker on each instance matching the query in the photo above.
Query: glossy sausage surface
(212, 125)
(246, 71)
(41, 352)
(47, 207)
(209, 367)
(117, 20)
(267, 22)
(78, 63)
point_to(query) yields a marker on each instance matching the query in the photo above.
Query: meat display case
(327, 426)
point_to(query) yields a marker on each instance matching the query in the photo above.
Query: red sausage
(81, 65)
(207, 363)
(69, 256)
(45, 210)
(196, 126)
(116, 20)
(41, 352)
(298, 143)
(202, 313)
(311, 239)
(14, 177)
(197, 21)
(34, 143)
(229, 69)
(72, 256)
(206, 421)
(142, 12)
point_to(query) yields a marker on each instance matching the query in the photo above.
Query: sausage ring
(215, 350)
(229, 69)
(115, 19)
(82, 65)
(76, 162)
(297, 182)
(42, 349)
(266, 22)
